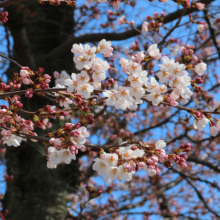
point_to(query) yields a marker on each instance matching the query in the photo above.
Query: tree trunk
(36, 192)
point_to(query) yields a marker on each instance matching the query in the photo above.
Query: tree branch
(173, 28)
(9, 2)
(111, 36)
(204, 162)
(212, 33)
(202, 198)
(13, 61)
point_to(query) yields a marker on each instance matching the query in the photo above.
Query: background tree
(38, 35)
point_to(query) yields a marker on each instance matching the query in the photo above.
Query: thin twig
(173, 28)
(6, 94)
(13, 61)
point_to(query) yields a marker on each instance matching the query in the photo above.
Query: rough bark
(38, 193)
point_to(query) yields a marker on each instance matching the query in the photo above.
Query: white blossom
(12, 140)
(214, 130)
(71, 83)
(82, 61)
(151, 172)
(67, 156)
(111, 97)
(160, 144)
(100, 166)
(112, 173)
(154, 52)
(200, 123)
(123, 173)
(144, 28)
(200, 68)
(77, 48)
(85, 90)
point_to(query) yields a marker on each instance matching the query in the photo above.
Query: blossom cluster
(11, 136)
(174, 72)
(10, 139)
(116, 3)
(25, 76)
(38, 80)
(61, 99)
(129, 96)
(92, 69)
(155, 22)
(131, 93)
(125, 161)
(59, 152)
(178, 79)
(202, 120)
(60, 77)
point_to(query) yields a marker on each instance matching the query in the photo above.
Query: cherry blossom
(154, 52)
(105, 47)
(200, 68)
(144, 28)
(200, 123)
(214, 130)
(201, 27)
(71, 83)
(85, 90)
(100, 166)
(111, 97)
(137, 79)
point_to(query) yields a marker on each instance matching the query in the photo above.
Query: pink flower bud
(198, 114)
(183, 165)
(56, 74)
(26, 81)
(163, 14)
(141, 164)
(200, 6)
(149, 161)
(4, 132)
(156, 14)
(24, 73)
(57, 142)
(115, 4)
(51, 140)
(77, 126)
(198, 80)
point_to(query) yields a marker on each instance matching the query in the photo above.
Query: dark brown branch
(213, 184)
(28, 136)
(212, 33)
(41, 138)
(204, 163)
(157, 125)
(9, 2)
(6, 94)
